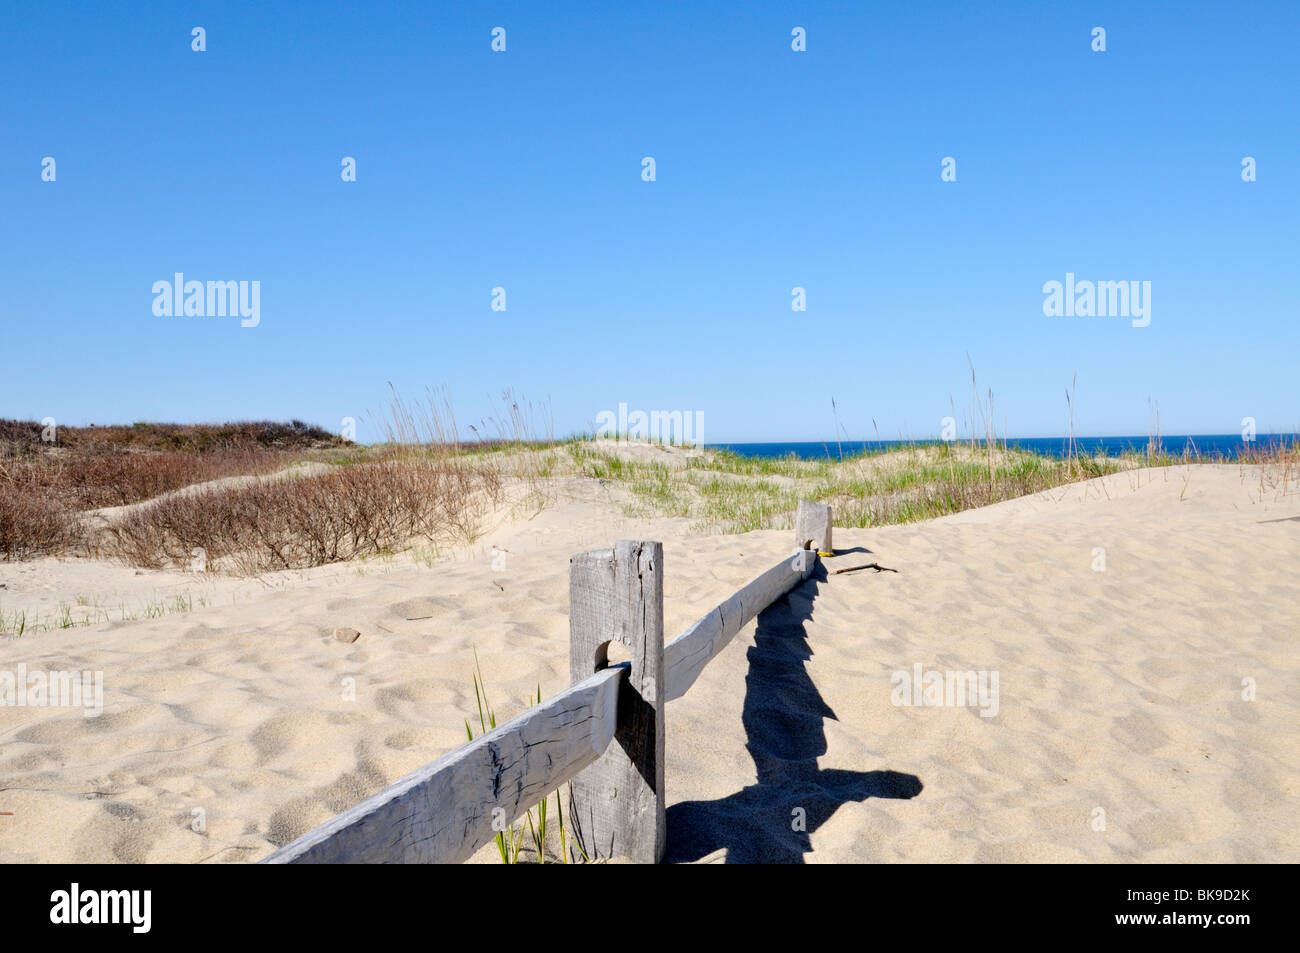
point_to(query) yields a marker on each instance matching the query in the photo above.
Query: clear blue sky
(775, 169)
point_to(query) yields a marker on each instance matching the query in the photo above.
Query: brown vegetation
(85, 480)
(32, 524)
(47, 477)
(18, 436)
(294, 523)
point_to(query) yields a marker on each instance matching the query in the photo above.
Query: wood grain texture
(686, 655)
(444, 812)
(617, 804)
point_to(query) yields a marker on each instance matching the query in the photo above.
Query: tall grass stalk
(510, 841)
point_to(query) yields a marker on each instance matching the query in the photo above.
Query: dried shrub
(294, 523)
(184, 438)
(89, 480)
(32, 524)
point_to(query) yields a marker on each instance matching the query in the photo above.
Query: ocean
(1223, 445)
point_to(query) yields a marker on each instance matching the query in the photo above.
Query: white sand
(1119, 690)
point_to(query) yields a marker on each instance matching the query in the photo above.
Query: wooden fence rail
(604, 735)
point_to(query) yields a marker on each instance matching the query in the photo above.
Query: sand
(1121, 733)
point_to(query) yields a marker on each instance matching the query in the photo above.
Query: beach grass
(14, 623)
(510, 838)
(424, 488)
(724, 492)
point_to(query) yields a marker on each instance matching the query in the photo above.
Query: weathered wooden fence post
(617, 804)
(812, 527)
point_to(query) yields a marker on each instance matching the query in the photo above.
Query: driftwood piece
(876, 566)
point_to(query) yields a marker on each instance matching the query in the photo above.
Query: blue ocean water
(1222, 445)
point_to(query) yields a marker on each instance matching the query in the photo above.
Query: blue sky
(775, 169)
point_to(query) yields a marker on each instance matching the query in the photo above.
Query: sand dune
(1119, 689)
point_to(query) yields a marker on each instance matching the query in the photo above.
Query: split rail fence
(604, 735)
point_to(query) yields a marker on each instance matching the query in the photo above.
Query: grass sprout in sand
(510, 840)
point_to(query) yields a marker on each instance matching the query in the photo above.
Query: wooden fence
(604, 735)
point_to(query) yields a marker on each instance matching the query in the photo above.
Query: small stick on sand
(876, 566)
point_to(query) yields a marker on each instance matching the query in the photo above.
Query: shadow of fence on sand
(784, 717)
